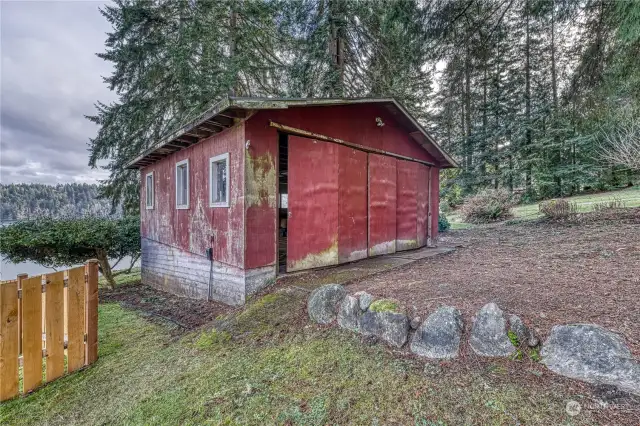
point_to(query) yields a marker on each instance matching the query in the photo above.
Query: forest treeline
(523, 93)
(29, 200)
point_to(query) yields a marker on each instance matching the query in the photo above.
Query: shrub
(443, 223)
(612, 204)
(558, 209)
(488, 206)
(66, 242)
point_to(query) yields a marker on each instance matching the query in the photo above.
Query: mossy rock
(386, 305)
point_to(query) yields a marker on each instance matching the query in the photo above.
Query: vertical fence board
(21, 277)
(91, 311)
(76, 319)
(9, 340)
(32, 333)
(54, 312)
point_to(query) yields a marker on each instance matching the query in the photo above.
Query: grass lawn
(278, 369)
(630, 197)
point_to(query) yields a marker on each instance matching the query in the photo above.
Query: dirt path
(547, 273)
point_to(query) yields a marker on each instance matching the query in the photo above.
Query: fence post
(9, 338)
(20, 278)
(91, 311)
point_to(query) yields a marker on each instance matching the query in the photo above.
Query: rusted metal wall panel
(195, 229)
(261, 183)
(312, 228)
(406, 205)
(434, 208)
(382, 204)
(422, 203)
(352, 219)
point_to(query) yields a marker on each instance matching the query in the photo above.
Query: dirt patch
(548, 273)
(186, 314)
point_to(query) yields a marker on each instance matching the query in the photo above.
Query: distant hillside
(23, 201)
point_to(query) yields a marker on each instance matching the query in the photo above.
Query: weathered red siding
(435, 203)
(200, 226)
(407, 205)
(382, 204)
(422, 208)
(260, 150)
(352, 123)
(352, 232)
(312, 229)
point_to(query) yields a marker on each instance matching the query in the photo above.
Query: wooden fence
(43, 321)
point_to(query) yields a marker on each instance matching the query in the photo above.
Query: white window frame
(213, 160)
(178, 164)
(150, 205)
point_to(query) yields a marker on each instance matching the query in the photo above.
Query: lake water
(9, 270)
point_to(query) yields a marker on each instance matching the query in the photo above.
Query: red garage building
(256, 187)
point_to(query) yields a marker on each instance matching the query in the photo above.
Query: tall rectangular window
(219, 181)
(149, 190)
(182, 184)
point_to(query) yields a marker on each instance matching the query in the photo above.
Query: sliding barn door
(407, 205)
(312, 225)
(382, 204)
(352, 219)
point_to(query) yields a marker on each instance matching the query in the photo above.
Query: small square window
(149, 191)
(219, 181)
(182, 184)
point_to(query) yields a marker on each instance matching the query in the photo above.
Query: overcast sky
(49, 78)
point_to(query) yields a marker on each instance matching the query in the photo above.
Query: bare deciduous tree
(622, 145)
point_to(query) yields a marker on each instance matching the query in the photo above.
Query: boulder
(439, 335)
(349, 313)
(489, 333)
(591, 353)
(323, 303)
(389, 326)
(524, 334)
(365, 300)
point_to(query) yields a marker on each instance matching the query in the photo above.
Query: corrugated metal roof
(231, 110)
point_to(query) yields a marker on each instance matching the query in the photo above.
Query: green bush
(443, 223)
(488, 206)
(558, 209)
(66, 242)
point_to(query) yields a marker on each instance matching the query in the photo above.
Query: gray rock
(323, 303)
(591, 353)
(365, 300)
(439, 336)
(349, 313)
(489, 333)
(391, 327)
(415, 323)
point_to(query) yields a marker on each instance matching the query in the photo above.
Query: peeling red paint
(200, 226)
(344, 203)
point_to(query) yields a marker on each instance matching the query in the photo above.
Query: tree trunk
(527, 100)
(133, 262)
(336, 45)
(105, 268)
(233, 20)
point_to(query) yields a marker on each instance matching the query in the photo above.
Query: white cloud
(49, 78)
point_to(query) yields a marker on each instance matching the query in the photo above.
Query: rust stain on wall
(261, 182)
